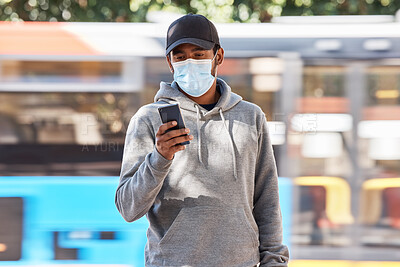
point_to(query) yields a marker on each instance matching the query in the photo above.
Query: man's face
(185, 51)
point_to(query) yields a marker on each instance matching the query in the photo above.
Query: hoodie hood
(170, 93)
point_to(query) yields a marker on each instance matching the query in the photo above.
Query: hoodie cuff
(158, 161)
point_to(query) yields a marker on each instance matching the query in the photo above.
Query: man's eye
(199, 55)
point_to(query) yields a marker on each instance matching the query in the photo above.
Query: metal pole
(356, 92)
(292, 83)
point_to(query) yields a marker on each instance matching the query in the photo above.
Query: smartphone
(172, 112)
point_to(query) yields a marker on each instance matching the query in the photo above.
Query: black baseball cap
(193, 29)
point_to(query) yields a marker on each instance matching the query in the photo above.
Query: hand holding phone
(172, 136)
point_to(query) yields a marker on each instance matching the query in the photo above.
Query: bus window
(60, 133)
(266, 81)
(392, 200)
(383, 86)
(323, 212)
(379, 129)
(65, 118)
(380, 212)
(379, 156)
(311, 215)
(323, 81)
(320, 129)
(11, 230)
(323, 90)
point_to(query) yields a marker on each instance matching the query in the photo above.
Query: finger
(175, 133)
(164, 127)
(178, 140)
(172, 134)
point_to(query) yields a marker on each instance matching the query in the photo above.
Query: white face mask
(194, 75)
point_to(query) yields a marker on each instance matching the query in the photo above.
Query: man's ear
(220, 56)
(171, 69)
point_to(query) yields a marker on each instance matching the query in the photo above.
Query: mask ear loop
(216, 65)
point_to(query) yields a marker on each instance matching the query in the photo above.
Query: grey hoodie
(215, 203)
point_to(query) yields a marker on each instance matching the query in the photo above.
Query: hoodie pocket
(206, 235)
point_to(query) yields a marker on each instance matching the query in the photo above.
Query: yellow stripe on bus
(338, 263)
(381, 183)
(318, 263)
(88, 265)
(378, 264)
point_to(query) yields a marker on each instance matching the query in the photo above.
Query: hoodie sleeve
(267, 210)
(143, 171)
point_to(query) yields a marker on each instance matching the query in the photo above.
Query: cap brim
(199, 42)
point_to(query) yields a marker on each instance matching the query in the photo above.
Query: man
(213, 202)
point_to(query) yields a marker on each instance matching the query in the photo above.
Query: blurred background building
(329, 86)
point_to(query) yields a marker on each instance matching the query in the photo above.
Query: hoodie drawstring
(231, 142)
(230, 139)
(199, 134)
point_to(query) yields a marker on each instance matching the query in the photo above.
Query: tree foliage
(217, 10)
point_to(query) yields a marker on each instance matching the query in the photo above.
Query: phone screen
(172, 113)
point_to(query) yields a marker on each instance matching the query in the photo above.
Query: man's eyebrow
(198, 49)
(176, 51)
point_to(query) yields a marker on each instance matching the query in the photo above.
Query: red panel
(40, 38)
(381, 113)
(322, 105)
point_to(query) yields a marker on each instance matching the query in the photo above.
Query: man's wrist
(158, 161)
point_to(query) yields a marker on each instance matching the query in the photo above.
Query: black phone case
(172, 112)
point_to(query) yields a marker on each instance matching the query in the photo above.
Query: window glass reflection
(65, 118)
